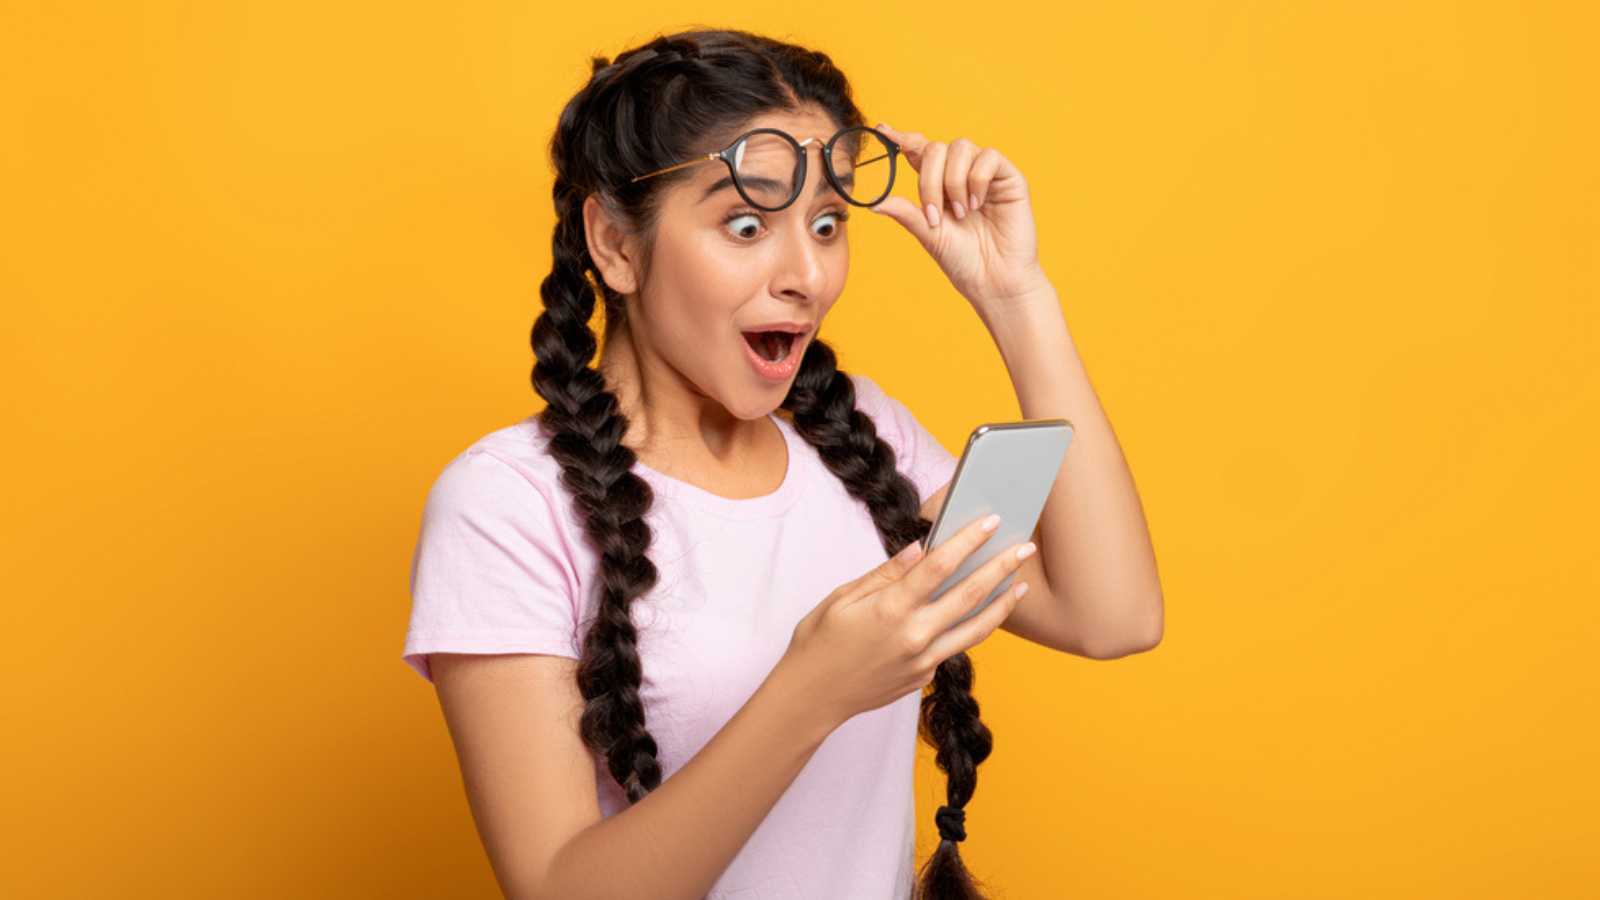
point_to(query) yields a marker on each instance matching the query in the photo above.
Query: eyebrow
(770, 184)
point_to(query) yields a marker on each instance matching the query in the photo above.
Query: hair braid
(585, 426)
(649, 107)
(823, 404)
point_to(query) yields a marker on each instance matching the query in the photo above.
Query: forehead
(811, 123)
(808, 124)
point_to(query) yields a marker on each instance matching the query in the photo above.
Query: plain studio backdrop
(268, 266)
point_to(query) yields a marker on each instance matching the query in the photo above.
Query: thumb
(907, 214)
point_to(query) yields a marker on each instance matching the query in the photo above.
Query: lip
(775, 372)
(790, 327)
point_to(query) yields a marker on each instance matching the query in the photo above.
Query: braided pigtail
(585, 426)
(584, 423)
(823, 405)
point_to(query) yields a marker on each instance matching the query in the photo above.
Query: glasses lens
(860, 161)
(765, 165)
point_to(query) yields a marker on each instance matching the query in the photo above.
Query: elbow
(1129, 641)
(522, 891)
(1118, 651)
(524, 885)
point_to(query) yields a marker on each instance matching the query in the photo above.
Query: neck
(672, 424)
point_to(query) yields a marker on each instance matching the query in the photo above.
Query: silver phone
(1006, 468)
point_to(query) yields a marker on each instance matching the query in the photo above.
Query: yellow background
(267, 266)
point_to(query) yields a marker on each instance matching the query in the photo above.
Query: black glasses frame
(728, 153)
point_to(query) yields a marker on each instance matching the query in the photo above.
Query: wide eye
(833, 226)
(745, 229)
(747, 225)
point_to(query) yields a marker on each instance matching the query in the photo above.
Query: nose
(802, 273)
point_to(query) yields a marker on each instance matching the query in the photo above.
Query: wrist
(803, 698)
(1036, 296)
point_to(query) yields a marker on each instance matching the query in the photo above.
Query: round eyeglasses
(767, 166)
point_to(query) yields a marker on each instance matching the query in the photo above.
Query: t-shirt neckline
(764, 506)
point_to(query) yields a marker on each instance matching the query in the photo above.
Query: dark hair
(652, 106)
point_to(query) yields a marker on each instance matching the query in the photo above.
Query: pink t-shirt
(502, 565)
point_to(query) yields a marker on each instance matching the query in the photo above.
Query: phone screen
(1006, 468)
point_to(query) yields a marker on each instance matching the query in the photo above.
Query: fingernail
(933, 215)
(1026, 550)
(991, 523)
(910, 551)
(972, 201)
(1022, 588)
(961, 211)
(977, 202)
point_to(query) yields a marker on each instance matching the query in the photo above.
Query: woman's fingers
(963, 597)
(911, 144)
(955, 174)
(927, 159)
(930, 180)
(914, 589)
(983, 172)
(885, 573)
(971, 632)
(957, 170)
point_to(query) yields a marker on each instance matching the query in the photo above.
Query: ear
(609, 247)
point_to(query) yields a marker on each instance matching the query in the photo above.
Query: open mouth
(772, 346)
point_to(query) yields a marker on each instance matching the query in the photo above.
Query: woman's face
(721, 267)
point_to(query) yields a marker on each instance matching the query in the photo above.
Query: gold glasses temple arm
(689, 162)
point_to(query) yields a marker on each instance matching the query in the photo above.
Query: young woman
(677, 646)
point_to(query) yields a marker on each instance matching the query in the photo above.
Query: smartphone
(1006, 468)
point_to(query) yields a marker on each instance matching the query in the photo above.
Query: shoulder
(873, 400)
(886, 412)
(917, 451)
(869, 394)
(507, 472)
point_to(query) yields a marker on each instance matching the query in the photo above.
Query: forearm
(1094, 542)
(677, 841)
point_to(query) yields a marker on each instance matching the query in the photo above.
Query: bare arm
(530, 783)
(1096, 562)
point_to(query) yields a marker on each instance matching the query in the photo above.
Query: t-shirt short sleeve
(490, 573)
(918, 454)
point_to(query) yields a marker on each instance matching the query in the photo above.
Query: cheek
(711, 262)
(838, 263)
(706, 276)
